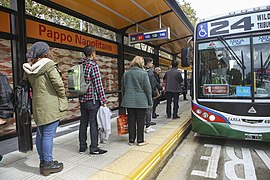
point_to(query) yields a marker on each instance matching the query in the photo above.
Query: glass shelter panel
(224, 69)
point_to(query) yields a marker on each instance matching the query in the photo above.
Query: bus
(231, 75)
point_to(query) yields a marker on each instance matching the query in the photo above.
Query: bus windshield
(225, 68)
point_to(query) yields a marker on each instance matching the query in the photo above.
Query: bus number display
(235, 24)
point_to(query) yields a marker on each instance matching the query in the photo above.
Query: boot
(41, 166)
(52, 167)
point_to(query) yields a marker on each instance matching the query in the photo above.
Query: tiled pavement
(121, 162)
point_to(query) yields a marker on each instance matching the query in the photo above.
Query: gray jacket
(136, 89)
(173, 80)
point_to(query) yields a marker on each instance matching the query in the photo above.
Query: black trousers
(136, 121)
(155, 104)
(172, 97)
(89, 111)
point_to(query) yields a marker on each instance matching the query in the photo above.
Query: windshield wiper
(228, 47)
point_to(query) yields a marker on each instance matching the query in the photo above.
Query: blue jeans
(44, 140)
(89, 111)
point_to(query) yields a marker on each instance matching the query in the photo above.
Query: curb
(157, 158)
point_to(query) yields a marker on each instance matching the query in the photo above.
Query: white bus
(231, 75)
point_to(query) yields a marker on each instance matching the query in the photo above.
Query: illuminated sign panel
(50, 33)
(159, 34)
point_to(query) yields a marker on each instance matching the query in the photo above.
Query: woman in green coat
(137, 97)
(48, 102)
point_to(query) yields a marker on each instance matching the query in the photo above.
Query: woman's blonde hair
(137, 61)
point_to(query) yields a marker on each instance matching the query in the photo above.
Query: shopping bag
(122, 124)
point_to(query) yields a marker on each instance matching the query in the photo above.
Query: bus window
(262, 66)
(225, 72)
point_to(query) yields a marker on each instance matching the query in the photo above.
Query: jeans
(89, 111)
(44, 140)
(172, 97)
(136, 118)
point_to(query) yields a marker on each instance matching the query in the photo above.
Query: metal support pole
(159, 20)
(121, 66)
(156, 56)
(185, 86)
(18, 28)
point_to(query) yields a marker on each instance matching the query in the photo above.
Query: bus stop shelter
(122, 17)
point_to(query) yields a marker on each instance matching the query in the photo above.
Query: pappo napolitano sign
(50, 33)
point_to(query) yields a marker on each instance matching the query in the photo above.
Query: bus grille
(252, 121)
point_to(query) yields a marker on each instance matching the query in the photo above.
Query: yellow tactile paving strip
(138, 162)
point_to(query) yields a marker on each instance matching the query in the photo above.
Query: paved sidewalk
(121, 162)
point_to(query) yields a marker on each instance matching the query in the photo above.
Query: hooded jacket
(49, 99)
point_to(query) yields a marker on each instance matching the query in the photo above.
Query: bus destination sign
(215, 89)
(159, 34)
(236, 24)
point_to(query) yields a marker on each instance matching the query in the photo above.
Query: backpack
(24, 101)
(76, 80)
(6, 98)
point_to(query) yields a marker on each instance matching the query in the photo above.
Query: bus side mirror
(185, 57)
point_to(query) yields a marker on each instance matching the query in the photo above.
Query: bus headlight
(212, 117)
(205, 115)
(198, 111)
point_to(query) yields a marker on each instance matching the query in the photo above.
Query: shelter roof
(124, 14)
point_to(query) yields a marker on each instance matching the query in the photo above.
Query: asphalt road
(200, 158)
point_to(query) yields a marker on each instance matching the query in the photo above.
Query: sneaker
(131, 144)
(149, 130)
(142, 143)
(98, 152)
(82, 150)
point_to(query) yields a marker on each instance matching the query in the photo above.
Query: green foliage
(43, 12)
(4, 3)
(189, 11)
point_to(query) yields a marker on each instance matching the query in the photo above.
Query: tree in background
(189, 11)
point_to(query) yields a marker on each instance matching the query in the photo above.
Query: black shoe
(169, 117)
(41, 166)
(152, 123)
(176, 117)
(154, 116)
(98, 152)
(52, 167)
(157, 115)
(82, 150)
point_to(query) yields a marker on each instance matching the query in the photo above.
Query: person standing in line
(148, 65)
(137, 97)
(173, 80)
(156, 100)
(49, 102)
(91, 102)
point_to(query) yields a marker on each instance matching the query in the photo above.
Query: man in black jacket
(173, 80)
(157, 92)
